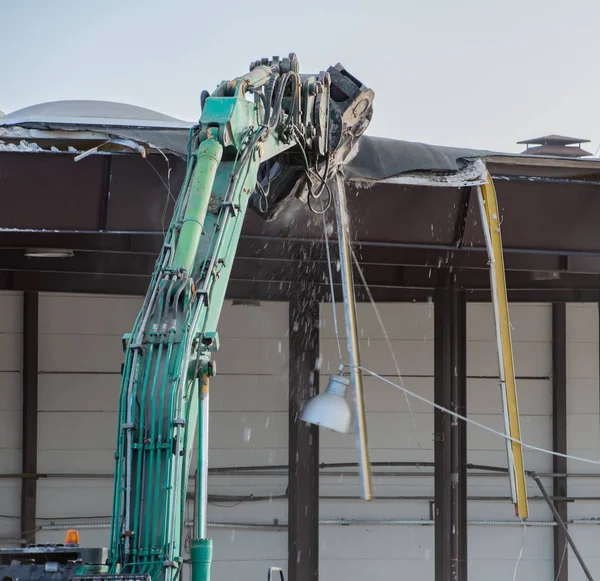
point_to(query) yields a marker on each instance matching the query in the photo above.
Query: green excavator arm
(273, 121)
(262, 138)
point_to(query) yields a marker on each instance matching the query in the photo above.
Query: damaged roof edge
(377, 159)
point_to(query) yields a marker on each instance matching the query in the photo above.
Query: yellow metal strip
(491, 224)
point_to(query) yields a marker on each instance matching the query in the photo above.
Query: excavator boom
(262, 138)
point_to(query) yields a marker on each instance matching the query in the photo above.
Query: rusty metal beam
(463, 215)
(303, 446)
(30, 181)
(105, 193)
(290, 270)
(30, 416)
(451, 562)
(287, 248)
(559, 434)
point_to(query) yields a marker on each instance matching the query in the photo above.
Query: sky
(468, 73)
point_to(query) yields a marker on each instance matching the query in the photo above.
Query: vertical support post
(559, 434)
(30, 416)
(303, 446)
(460, 428)
(450, 436)
(106, 192)
(443, 442)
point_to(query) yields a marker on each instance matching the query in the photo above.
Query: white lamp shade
(330, 409)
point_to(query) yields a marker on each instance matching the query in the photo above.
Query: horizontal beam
(547, 212)
(276, 247)
(293, 271)
(265, 290)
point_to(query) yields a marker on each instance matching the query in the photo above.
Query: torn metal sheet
(473, 174)
(69, 141)
(22, 146)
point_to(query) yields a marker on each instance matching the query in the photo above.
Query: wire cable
(520, 551)
(474, 423)
(388, 341)
(562, 560)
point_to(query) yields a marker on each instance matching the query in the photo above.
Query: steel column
(460, 428)
(559, 434)
(450, 436)
(303, 446)
(106, 193)
(30, 416)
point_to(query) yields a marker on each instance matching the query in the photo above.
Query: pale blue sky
(475, 73)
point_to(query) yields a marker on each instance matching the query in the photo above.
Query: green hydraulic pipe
(159, 470)
(149, 507)
(138, 494)
(208, 159)
(201, 557)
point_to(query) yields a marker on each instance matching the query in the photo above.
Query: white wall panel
(375, 542)
(350, 568)
(583, 404)
(80, 356)
(244, 570)
(80, 360)
(10, 508)
(575, 571)
(583, 431)
(532, 345)
(393, 436)
(11, 339)
(398, 431)
(249, 426)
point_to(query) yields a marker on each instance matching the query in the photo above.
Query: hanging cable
(562, 560)
(520, 551)
(307, 172)
(388, 341)
(477, 424)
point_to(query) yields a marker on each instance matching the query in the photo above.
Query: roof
(89, 112)
(407, 235)
(558, 151)
(62, 124)
(554, 140)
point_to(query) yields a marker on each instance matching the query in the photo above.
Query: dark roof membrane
(379, 158)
